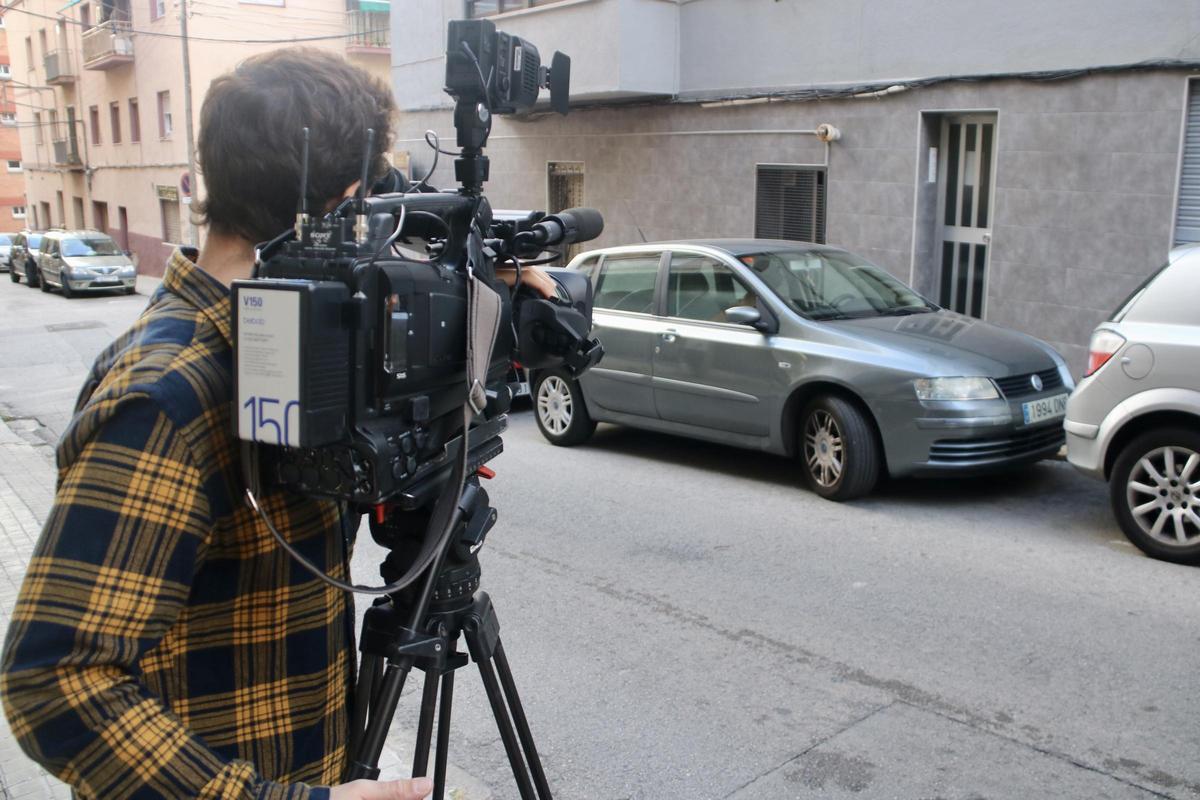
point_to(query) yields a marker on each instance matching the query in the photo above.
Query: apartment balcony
(59, 69)
(108, 45)
(370, 32)
(66, 153)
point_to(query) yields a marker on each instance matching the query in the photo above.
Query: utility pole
(193, 239)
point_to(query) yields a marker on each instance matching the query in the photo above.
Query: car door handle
(668, 337)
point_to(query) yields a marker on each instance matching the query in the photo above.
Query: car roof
(735, 247)
(63, 234)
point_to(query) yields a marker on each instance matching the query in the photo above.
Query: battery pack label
(268, 366)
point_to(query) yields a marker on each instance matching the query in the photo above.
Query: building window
(85, 16)
(42, 42)
(164, 115)
(487, 8)
(18, 212)
(135, 121)
(29, 53)
(14, 165)
(114, 118)
(94, 119)
(8, 118)
(789, 203)
(39, 134)
(5, 72)
(171, 230)
(158, 9)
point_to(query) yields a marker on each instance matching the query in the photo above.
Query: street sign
(185, 185)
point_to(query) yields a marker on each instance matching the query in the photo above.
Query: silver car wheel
(554, 406)
(1163, 491)
(823, 451)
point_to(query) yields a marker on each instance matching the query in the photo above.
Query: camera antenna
(360, 226)
(302, 205)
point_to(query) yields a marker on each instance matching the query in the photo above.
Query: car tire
(130, 290)
(1155, 492)
(839, 453)
(45, 287)
(64, 286)
(32, 280)
(559, 408)
(13, 275)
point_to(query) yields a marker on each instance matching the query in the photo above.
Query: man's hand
(532, 277)
(382, 790)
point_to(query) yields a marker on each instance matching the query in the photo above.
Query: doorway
(564, 189)
(965, 211)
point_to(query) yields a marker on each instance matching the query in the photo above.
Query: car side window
(626, 283)
(700, 287)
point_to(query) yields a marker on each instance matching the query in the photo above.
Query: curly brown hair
(250, 145)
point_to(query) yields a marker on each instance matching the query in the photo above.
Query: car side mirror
(743, 315)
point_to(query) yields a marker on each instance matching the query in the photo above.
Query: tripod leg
(365, 762)
(443, 736)
(500, 712)
(368, 677)
(522, 724)
(425, 725)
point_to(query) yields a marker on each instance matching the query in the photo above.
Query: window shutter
(790, 203)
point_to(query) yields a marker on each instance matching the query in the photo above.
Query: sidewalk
(26, 491)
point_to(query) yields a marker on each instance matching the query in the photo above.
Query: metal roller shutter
(790, 203)
(1187, 215)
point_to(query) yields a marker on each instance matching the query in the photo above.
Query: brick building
(12, 178)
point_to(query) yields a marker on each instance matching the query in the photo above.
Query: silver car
(83, 261)
(809, 351)
(1135, 418)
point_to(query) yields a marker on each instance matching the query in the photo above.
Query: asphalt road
(685, 621)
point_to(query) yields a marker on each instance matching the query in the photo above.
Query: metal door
(708, 372)
(965, 213)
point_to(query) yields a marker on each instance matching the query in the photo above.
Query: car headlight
(955, 389)
(127, 270)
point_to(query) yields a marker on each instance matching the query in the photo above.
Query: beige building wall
(128, 181)
(12, 178)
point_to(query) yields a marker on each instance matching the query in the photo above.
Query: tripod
(392, 645)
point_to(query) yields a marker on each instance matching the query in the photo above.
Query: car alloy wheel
(561, 413)
(554, 405)
(1163, 493)
(823, 450)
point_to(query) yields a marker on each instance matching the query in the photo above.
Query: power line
(164, 35)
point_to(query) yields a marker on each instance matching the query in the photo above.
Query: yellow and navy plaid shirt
(163, 644)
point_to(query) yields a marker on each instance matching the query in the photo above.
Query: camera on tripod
(351, 358)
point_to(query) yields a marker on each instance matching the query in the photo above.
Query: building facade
(1027, 163)
(101, 100)
(12, 178)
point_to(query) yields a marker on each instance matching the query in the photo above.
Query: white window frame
(159, 9)
(18, 168)
(18, 212)
(8, 118)
(5, 72)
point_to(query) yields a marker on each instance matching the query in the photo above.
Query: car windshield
(95, 246)
(5, 240)
(833, 284)
(34, 242)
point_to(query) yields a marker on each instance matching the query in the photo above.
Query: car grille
(1020, 386)
(1014, 445)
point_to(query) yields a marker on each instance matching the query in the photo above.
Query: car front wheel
(838, 450)
(558, 405)
(13, 275)
(45, 287)
(1155, 493)
(31, 277)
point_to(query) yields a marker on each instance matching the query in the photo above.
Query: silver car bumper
(99, 284)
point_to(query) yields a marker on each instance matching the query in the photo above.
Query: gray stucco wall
(1085, 179)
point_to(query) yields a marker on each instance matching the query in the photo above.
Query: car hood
(91, 262)
(953, 344)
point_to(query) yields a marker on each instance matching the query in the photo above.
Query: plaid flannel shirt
(163, 644)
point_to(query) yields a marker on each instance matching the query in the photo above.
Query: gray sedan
(809, 351)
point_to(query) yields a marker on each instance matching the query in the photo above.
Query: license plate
(105, 281)
(1044, 409)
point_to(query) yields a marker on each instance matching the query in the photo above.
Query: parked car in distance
(804, 350)
(83, 261)
(5, 252)
(1134, 420)
(26, 246)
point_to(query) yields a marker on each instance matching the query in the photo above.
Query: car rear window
(1168, 296)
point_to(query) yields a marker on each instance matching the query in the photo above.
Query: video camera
(351, 357)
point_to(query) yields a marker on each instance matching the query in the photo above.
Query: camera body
(351, 358)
